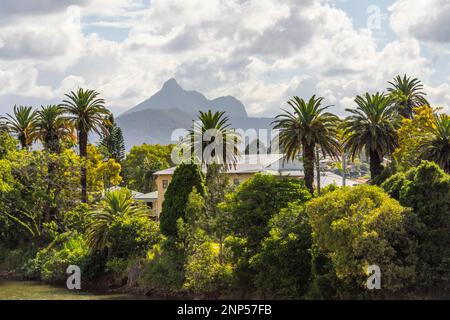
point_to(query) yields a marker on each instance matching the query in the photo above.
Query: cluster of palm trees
(371, 127)
(79, 114)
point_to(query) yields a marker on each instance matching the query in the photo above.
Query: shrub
(387, 172)
(362, 226)
(132, 236)
(164, 267)
(52, 261)
(13, 260)
(185, 178)
(426, 189)
(257, 200)
(76, 219)
(250, 209)
(203, 272)
(284, 264)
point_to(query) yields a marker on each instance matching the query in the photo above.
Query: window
(165, 183)
(236, 182)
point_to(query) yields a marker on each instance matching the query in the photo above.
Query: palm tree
(87, 113)
(52, 127)
(304, 128)
(406, 94)
(117, 203)
(437, 148)
(22, 124)
(211, 141)
(372, 126)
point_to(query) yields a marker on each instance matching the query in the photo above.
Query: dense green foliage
(284, 264)
(361, 226)
(250, 209)
(141, 162)
(256, 201)
(269, 237)
(187, 176)
(426, 189)
(118, 223)
(112, 143)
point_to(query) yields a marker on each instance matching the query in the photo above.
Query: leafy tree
(116, 205)
(142, 162)
(361, 226)
(437, 147)
(101, 173)
(185, 178)
(304, 128)
(22, 124)
(28, 199)
(372, 126)
(249, 210)
(284, 264)
(426, 189)
(256, 201)
(406, 94)
(87, 113)
(217, 185)
(204, 269)
(51, 262)
(112, 142)
(412, 135)
(52, 127)
(132, 236)
(7, 143)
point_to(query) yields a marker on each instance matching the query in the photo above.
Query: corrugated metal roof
(147, 196)
(245, 164)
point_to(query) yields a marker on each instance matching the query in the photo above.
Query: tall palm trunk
(375, 164)
(23, 142)
(308, 165)
(83, 137)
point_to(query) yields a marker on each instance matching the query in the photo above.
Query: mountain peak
(171, 84)
(173, 96)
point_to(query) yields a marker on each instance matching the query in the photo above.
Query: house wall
(161, 190)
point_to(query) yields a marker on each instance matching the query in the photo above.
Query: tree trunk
(318, 170)
(375, 164)
(82, 137)
(50, 208)
(308, 166)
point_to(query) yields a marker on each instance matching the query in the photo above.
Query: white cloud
(260, 51)
(425, 20)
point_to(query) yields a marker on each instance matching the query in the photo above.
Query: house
(150, 199)
(245, 168)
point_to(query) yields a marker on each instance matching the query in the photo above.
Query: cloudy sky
(260, 51)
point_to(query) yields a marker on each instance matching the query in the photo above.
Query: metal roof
(151, 196)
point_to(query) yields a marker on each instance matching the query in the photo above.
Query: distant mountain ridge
(154, 120)
(172, 94)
